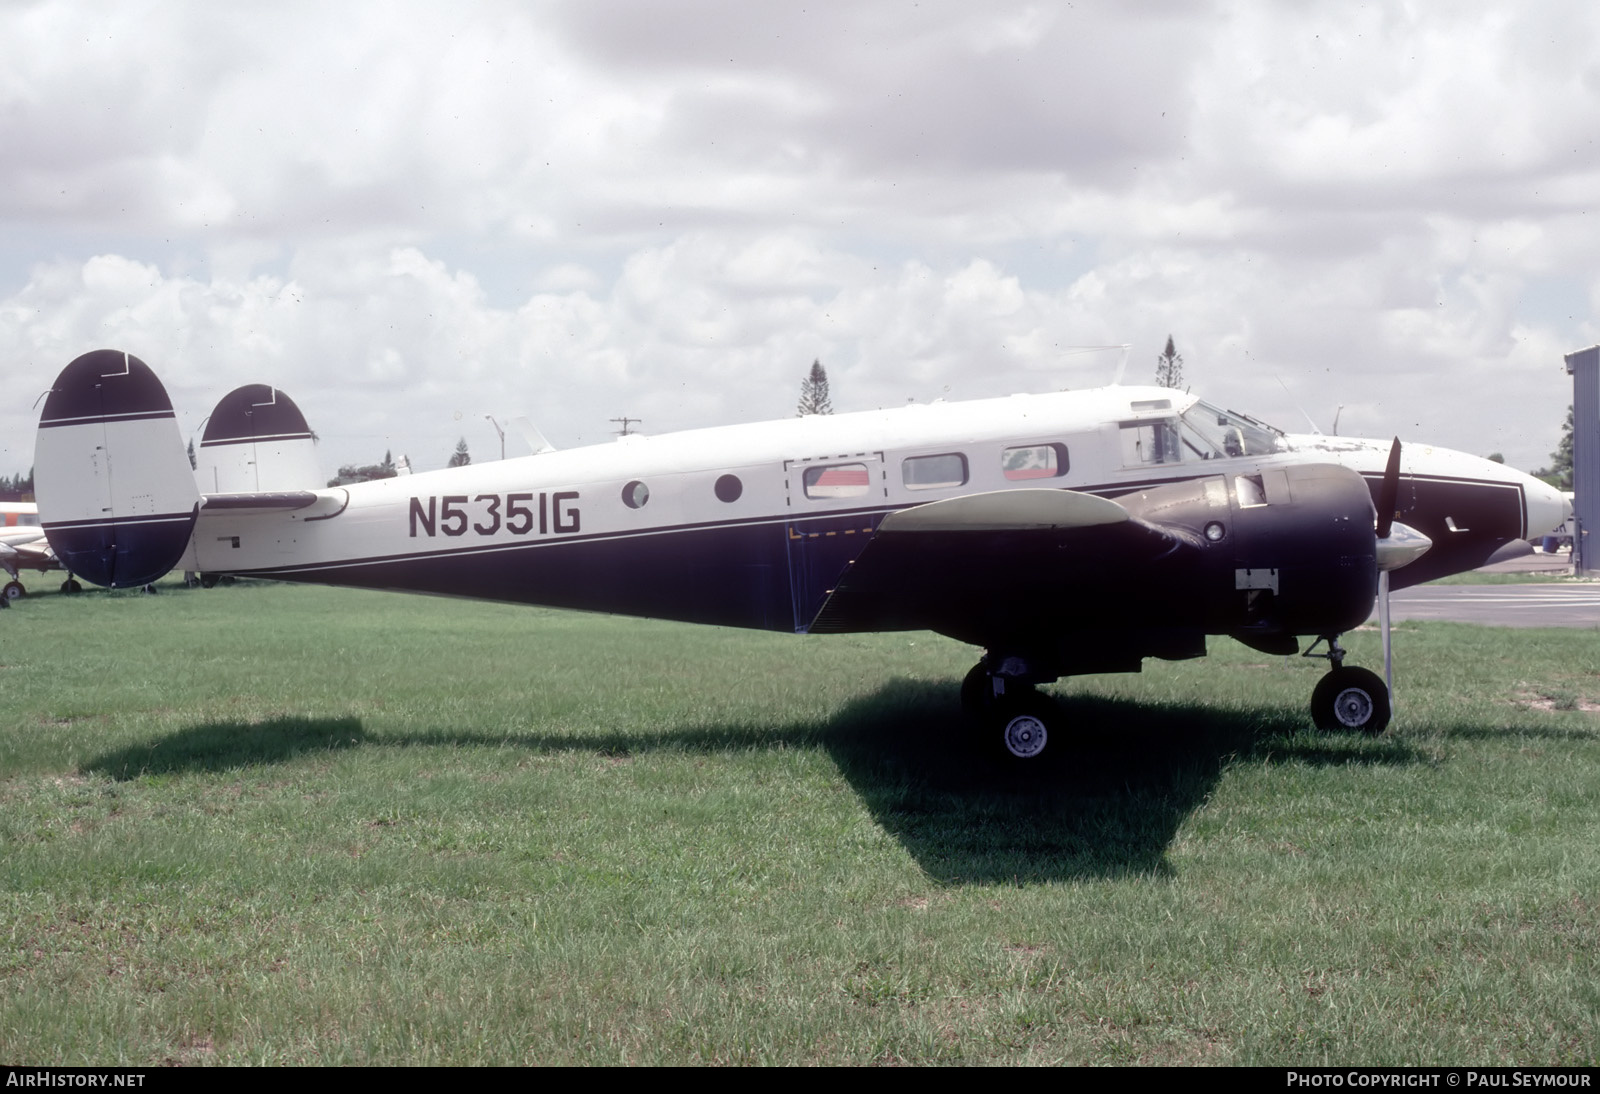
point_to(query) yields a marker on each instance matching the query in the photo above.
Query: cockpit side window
(1212, 434)
(1150, 442)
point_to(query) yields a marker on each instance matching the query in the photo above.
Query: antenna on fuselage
(1300, 408)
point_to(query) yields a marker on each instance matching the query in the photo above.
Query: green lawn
(277, 824)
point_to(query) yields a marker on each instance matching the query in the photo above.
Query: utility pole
(625, 422)
(1584, 368)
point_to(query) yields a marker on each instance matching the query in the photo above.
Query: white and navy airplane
(1067, 533)
(23, 546)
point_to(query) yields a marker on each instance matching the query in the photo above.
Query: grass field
(272, 824)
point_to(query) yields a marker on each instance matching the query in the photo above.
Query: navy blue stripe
(253, 440)
(102, 419)
(106, 522)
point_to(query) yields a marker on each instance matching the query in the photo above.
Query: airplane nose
(1548, 508)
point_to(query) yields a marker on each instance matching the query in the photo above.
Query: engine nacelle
(1284, 551)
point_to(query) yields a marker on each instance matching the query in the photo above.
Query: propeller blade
(1389, 492)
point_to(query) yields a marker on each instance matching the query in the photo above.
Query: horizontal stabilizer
(266, 502)
(117, 499)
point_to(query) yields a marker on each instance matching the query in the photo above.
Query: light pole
(500, 431)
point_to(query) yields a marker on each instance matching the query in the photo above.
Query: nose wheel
(1351, 700)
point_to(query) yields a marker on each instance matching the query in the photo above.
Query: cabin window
(933, 472)
(1034, 461)
(1150, 442)
(635, 494)
(728, 488)
(839, 480)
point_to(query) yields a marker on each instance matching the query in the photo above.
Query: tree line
(19, 488)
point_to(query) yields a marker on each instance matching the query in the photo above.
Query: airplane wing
(32, 554)
(989, 563)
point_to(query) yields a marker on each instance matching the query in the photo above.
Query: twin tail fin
(117, 499)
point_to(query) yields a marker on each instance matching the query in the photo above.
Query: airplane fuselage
(751, 525)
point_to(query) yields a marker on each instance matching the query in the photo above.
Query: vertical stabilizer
(256, 441)
(116, 496)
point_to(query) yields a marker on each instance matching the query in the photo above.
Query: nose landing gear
(1348, 699)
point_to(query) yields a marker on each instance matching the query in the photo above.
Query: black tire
(977, 690)
(1351, 700)
(71, 586)
(13, 590)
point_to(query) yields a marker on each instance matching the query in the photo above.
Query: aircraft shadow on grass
(1107, 803)
(223, 746)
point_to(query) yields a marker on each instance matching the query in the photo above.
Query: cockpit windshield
(1212, 434)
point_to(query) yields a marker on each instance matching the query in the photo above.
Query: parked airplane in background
(1075, 532)
(23, 547)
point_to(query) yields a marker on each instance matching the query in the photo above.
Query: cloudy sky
(411, 215)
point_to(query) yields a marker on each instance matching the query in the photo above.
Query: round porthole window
(729, 488)
(635, 494)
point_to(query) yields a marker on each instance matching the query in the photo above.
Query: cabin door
(834, 505)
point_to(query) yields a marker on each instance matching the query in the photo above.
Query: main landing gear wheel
(71, 585)
(1025, 726)
(1351, 699)
(13, 590)
(1019, 720)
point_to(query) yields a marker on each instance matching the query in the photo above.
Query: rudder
(116, 495)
